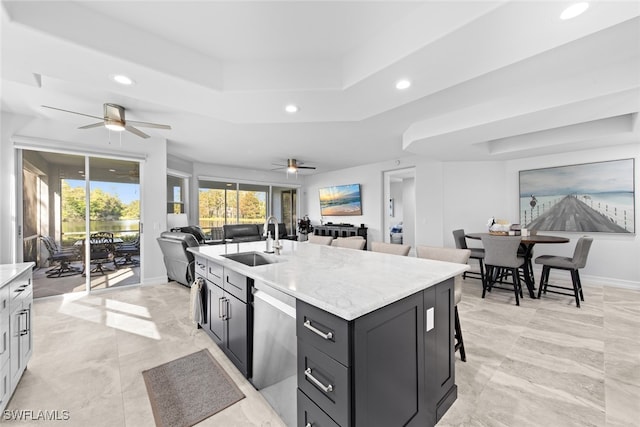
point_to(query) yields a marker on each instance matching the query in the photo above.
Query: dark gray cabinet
(228, 316)
(391, 367)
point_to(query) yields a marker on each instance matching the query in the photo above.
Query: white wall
(614, 258)
(451, 195)
(409, 211)
(473, 193)
(153, 178)
(428, 203)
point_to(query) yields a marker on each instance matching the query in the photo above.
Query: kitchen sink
(252, 259)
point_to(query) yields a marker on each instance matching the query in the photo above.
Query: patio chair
(63, 258)
(102, 251)
(125, 252)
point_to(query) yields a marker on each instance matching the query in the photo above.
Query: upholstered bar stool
(476, 253)
(460, 256)
(500, 256)
(319, 240)
(348, 242)
(389, 248)
(573, 264)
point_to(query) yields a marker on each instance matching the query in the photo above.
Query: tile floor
(545, 363)
(44, 286)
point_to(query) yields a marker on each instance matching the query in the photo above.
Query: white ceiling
(490, 80)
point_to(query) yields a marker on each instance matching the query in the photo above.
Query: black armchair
(177, 259)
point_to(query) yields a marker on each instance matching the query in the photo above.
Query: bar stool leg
(458, 336)
(516, 284)
(574, 281)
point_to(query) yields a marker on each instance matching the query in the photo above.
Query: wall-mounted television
(340, 200)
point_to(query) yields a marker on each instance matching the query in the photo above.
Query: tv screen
(340, 200)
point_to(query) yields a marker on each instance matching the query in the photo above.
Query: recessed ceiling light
(574, 10)
(291, 108)
(403, 84)
(122, 79)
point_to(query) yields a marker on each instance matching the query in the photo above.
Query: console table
(337, 230)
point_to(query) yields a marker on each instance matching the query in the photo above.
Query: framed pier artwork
(588, 197)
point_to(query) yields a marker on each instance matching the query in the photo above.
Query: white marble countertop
(346, 282)
(8, 272)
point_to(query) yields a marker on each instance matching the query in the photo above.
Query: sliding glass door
(81, 221)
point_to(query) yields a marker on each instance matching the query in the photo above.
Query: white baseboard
(589, 280)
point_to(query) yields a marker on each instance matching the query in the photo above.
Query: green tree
(132, 210)
(73, 205)
(104, 206)
(250, 206)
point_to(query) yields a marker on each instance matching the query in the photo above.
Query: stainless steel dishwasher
(274, 349)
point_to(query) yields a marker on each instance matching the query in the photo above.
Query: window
(224, 202)
(176, 194)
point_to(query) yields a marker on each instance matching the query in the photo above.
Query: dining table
(526, 244)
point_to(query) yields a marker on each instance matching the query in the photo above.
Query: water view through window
(114, 207)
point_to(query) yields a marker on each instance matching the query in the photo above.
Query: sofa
(238, 233)
(282, 231)
(177, 259)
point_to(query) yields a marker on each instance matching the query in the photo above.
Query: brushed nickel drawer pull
(220, 308)
(327, 336)
(325, 388)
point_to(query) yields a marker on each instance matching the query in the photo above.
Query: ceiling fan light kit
(292, 166)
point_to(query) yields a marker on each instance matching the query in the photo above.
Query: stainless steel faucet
(276, 238)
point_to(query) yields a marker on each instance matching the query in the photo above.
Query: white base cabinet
(16, 339)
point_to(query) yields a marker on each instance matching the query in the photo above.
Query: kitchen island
(374, 331)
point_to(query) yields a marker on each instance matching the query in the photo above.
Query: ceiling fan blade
(73, 112)
(94, 125)
(136, 131)
(306, 167)
(149, 125)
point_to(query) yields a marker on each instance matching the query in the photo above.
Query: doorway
(400, 206)
(81, 221)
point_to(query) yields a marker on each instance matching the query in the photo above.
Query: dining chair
(389, 248)
(476, 253)
(573, 264)
(319, 240)
(460, 256)
(349, 243)
(501, 260)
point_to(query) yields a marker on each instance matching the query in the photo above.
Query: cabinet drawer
(21, 285)
(310, 415)
(323, 330)
(5, 384)
(4, 339)
(325, 381)
(214, 272)
(235, 284)
(201, 266)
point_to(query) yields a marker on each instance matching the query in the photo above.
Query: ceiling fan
(292, 166)
(114, 120)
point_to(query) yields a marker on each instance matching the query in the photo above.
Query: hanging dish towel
(196, 311)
